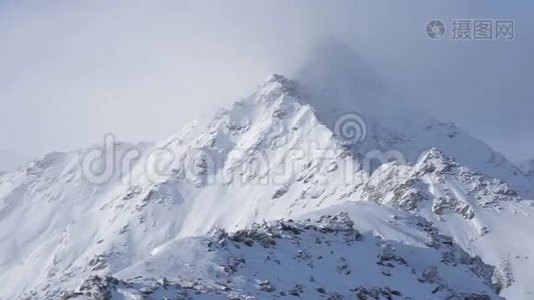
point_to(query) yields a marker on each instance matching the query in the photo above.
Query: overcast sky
(71, 71)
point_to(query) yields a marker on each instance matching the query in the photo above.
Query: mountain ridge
(268, 157)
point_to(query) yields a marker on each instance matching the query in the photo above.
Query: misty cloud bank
(73, 72)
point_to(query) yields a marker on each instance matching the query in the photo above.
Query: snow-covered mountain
(206, 214)
(323, 257)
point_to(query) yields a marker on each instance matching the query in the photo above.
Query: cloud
(73, 71)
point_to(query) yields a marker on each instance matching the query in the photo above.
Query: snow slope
(483, 215)
(270, 156)
(321, 258)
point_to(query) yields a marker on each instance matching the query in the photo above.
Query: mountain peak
(434, 161)
(276, 85)
(435, 156)
(278, 78)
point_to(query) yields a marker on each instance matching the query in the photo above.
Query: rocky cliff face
(320, 258)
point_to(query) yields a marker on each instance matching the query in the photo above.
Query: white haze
(71, 72)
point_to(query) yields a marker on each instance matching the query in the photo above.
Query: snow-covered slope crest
(439, 182)
(483, 214)
(325, 257)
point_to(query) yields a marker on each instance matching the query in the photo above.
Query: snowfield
(268, 200)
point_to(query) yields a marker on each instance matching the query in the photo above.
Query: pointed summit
(275, 86)
(279, 79)
(435, 161)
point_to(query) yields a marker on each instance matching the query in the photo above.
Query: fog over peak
(332, 65)
(335, 75)
(72, 72)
